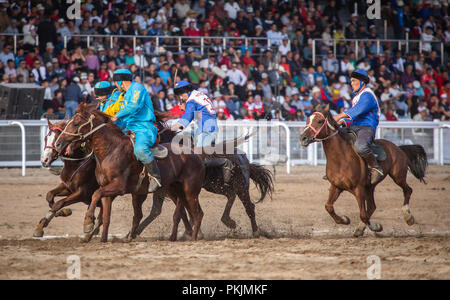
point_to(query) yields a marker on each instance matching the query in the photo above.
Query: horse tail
(263, 180)
(417, 160)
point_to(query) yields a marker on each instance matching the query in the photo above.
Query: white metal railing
(378, 42)
(179, 41)
(272, 143)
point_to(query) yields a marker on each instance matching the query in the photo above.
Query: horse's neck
(335, 148)
(103, 140)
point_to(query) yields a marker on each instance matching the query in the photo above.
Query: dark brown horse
(118, 171)
(77, 180)
(347, 171)
(239, 186)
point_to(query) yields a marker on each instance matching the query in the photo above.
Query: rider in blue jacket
(138, 116)
(365, 115)
(197, 102)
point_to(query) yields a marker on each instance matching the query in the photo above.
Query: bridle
(61, 156)
(52, 147)
(326, 124)
(78, 133)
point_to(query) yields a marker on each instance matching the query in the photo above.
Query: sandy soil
(300, 240)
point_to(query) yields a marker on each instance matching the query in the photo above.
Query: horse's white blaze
(47, 151)
(311, 118)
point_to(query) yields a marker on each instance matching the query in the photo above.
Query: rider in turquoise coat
(138, 116)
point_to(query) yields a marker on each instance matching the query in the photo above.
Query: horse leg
(158, 200)
(112, 189)
(138, 200)
(176, 219)
(226, 219)
(363, 194)
(192, 204)
(333, 194)
(95, 231)
(60, 190)
(249, 209)
(371, 207)
(72, 198)
(400, 179)
(106, 205)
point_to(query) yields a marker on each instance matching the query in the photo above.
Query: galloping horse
(118, 171)
(347, 171)
(214, 183)
(78, 183)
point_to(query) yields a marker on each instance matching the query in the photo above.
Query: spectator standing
(72, 97)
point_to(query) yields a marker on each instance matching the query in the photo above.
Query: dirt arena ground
(300, 240)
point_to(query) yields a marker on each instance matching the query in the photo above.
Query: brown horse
(347, 171)
(118, 171)
(77, 180)
(239, 186)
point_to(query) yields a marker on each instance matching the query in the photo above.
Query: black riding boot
(376, 172)
(225, 164)
(155, 176)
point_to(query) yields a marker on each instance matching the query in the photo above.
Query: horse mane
(104, 118)
(344, 132)
(59, 124)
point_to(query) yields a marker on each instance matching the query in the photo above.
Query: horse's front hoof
(375, 227)
(410, 221)
(360, 230)
(173, 238)
(38, 233)
(88, 228)
(65, 212)
(256, 234)
(345, 220)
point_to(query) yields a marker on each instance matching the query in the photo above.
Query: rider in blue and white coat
(365, 116)
(196, 101)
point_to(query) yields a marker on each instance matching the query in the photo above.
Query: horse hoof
(375, 227)
(345, 220)
(65, 212)
(256, 234)
(38, 233)
(358, 233)
(88, 228)
(229, 223)
(410, 221)
(360, 230)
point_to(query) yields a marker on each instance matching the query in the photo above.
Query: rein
(77, 159)
(78, 133)
(326, 124)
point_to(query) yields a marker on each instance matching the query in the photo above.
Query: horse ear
(81, 108)
(48, 122)
(326, 107)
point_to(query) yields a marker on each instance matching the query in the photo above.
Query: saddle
(376, 148)
(158, 150)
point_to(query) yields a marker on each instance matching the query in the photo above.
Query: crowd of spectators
(247, 77)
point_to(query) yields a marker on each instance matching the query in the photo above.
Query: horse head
(85, 122)
(50, 154)
(319, 126)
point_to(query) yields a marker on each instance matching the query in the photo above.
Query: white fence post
(24, 145)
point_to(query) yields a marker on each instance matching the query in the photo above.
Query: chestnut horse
(347, 171)
(77, 180)
(243, 171)
(118, 171)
